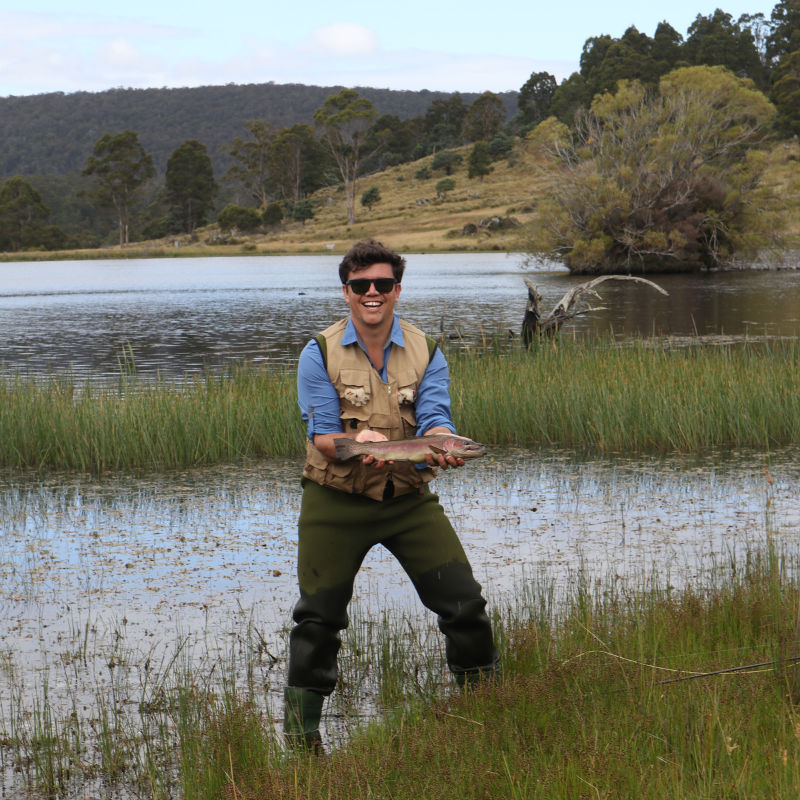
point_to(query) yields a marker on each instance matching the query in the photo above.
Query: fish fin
(346, 448)
(437, 450)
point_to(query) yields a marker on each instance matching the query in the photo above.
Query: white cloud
(345, 39)
(26, 26)
(346, 54)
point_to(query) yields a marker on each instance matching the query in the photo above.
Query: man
(372, 377)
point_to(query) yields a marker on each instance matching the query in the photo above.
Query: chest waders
(349, 508)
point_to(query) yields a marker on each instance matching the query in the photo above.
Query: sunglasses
(361, 285)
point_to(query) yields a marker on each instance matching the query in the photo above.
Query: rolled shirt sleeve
(316, 395)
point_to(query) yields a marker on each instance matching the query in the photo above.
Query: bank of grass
(580, 710)
(636, 394)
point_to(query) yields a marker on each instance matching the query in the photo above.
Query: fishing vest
(368, 402)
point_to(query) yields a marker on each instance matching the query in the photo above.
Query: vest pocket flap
(344, 469)
(405, 377)
(381, 421)
(355, 377)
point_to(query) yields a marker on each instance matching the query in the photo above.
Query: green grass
(639, 395)
(578, 712)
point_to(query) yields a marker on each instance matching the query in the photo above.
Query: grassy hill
(401, 220)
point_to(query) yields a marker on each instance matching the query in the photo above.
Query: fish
(414, 449)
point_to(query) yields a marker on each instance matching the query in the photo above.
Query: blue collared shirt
(319, 400)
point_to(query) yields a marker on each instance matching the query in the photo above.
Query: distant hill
(54, 133)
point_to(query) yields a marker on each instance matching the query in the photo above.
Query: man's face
(372, 309)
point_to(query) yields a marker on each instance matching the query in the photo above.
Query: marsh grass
(579, 711)
(635, 394)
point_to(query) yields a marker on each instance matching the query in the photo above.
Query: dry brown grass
(399, 222)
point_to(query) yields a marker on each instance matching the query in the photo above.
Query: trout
(414, 449)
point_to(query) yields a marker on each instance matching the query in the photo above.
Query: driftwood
(571, 305)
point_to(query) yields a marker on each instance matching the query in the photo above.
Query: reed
(641, 394)
(580, 710)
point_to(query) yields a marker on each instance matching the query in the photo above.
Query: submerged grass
(579, 711)
(640, 394)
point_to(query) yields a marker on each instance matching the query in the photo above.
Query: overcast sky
(470, 46)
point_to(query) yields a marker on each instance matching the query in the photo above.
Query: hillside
(54, 133)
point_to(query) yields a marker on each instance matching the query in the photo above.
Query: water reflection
(179, 314)
(196, 544)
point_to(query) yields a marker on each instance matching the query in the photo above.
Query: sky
(48, 45)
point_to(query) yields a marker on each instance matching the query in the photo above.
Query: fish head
(464, 448)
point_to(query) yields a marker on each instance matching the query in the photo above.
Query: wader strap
(322, 343)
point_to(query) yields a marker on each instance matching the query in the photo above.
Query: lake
(181, 314)
(103, 576)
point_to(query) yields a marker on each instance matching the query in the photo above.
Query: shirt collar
(396, 336)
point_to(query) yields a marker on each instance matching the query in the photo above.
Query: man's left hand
(439, 459)
(443, 462)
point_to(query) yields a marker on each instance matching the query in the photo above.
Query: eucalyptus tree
(251, 158)
(190, 187)
(345, 123)
(120, 167)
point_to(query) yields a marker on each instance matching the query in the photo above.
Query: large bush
(238, 218)
(668, 180)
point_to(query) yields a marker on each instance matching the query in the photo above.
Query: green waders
(336, 531)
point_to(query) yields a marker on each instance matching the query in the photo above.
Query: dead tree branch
(574, 303)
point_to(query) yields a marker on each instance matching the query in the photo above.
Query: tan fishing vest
(368, 402)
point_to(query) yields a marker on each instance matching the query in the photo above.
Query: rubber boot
(302, 711)
(481, 677)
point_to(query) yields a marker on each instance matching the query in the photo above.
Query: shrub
(234, 217)
(303, 210)
(665, 180)
(272, 214)
(444, 186)
(423, 173)
(370, 197)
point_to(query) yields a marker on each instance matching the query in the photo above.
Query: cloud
(347, 54)
(27, 26)
(345, 39)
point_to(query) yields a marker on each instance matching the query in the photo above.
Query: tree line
(659, 147)
(53, 133)
(276, 168)
(764, 50)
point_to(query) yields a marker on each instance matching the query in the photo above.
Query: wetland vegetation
(639, 394)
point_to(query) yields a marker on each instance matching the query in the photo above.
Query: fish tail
(347, 448)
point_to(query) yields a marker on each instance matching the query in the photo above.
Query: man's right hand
(373, 436)
(324, 443)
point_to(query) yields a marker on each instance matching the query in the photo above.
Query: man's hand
(440, 460)
(373, 436)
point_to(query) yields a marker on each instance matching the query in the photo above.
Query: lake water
(128, 570)
(135, 567)
(181, 314)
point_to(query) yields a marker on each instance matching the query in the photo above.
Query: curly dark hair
(363, 254)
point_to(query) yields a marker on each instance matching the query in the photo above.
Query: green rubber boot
(472, 680)
(302, 711)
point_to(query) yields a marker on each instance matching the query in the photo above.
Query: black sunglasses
(361, 285)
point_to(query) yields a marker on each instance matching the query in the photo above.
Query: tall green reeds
(641, 395)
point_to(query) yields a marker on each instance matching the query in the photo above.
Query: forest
(54, 133)
(256, 147)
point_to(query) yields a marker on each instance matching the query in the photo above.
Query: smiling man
(373, 377)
